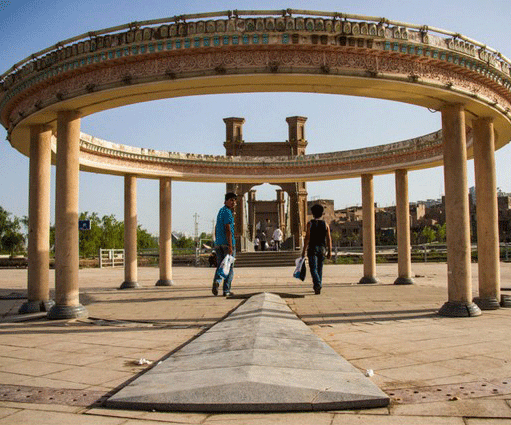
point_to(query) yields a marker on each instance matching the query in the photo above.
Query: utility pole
(196, 218)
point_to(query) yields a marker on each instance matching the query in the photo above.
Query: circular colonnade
(43, 97)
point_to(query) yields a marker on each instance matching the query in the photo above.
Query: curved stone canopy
(251, 51)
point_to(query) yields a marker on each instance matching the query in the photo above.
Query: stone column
(38, 296)
(165, 232)
(251, 214)
(487, 216)
(404, 261)
(295, 218)
(368, 230)
(66, 219)
(302, 202)
(281, 208)
(130, 233)
(459, 276)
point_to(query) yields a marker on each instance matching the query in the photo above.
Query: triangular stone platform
(261, 358)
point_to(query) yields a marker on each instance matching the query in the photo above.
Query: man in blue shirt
(224, 242)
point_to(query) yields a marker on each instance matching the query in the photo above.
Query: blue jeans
(221, 252)
(316, 255)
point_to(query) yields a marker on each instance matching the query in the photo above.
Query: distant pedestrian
(225, 242)
(318, 245)
(263, 241)
(277, 238)
(256, 243)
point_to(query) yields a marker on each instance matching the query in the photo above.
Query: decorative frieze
(110, 156)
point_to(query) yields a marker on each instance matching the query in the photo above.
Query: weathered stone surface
(260, 358)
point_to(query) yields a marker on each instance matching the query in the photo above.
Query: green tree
(145, 240)
(429, 234)
(106, 232)
(184, 242)
(90, 240)
(441, 233)
(12, 239)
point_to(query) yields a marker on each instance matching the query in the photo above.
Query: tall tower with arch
(249, 221)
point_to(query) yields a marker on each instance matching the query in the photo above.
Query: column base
(164, 282)
(36, 306)
(59, 312)
(404, 281)
(459, 309)
(368, 280)
(505, 301)
(128, 285)
(487, 303)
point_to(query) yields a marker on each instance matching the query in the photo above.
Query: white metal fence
(111, 258)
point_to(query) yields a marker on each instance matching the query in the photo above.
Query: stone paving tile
(7, 411)
(395, 420)
(180, 418)
(34, 368)
(319, 418)
(89, 375)
(27, 417)
(44, 407)
(49, 382)
(484, 408)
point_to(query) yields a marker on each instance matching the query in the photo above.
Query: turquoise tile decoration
(255, 39)
(178, 44)
(395, 47)
(216, 41)
(126, 51)
(196, 42)
(265, 38)
(386, 46)
(169, 45)
(134, 50)
(110, 55)
(160, 46)
(285, 38)
(226, 40)
(443, 56)
(188, 43)
(245, 39)
(143, 48)
(235, 39)
(118, 53)
(206, 41)
(435, 54)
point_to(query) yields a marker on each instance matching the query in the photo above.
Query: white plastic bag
(299, 272)
(225, 266)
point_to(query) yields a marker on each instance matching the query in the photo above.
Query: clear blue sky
(194, 124)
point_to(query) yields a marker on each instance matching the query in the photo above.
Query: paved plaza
(435, 370)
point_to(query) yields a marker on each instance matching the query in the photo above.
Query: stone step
(266, 259)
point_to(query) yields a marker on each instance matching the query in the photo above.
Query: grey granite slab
(261, 358)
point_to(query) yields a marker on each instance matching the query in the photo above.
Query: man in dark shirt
(319, 244)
